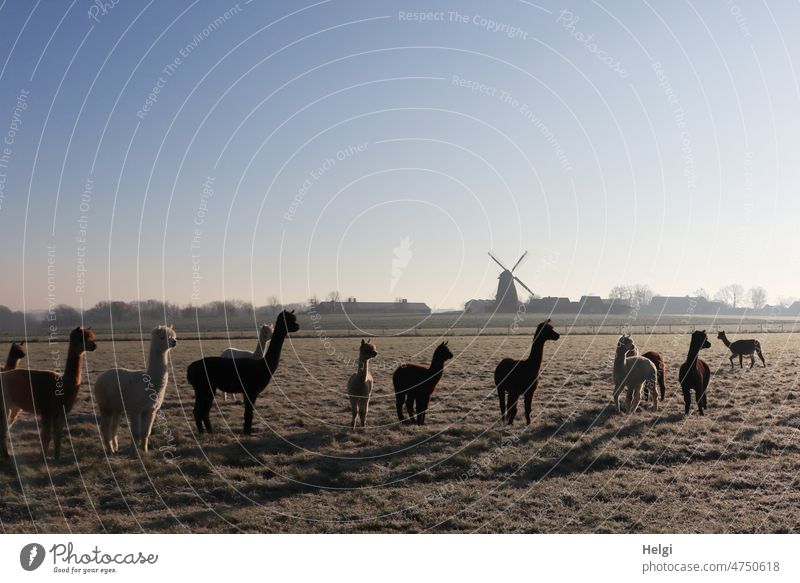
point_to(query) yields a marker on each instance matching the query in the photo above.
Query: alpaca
(264, 334)
(359, 386)
(632, 372)
(414, 384)
(695, 373)
(48, 394)
(521, 377)
(237, 375)
(138, 394)
(661, 367)
(15, 354)
(742, 348)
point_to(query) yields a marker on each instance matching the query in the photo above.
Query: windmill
(507, 300)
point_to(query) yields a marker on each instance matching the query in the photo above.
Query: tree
(635, 295)
(273, 303)
(785, 301)
(701, 293)
(758, 297)
(334, 297)
(731, 295)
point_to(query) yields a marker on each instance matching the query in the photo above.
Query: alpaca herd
(138, 394)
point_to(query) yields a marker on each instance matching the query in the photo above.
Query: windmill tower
(507, 299)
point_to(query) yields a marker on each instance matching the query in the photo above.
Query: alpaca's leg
(761, 356)
(617, 391)
(13, 413)
(249, 403)
(148, 418)
(687, 398)
(3, 427)
(105, 429)
(362, 411)
(115, 421)
(529, 404)
(410, 399)
(662, 385)
(628, 399)
(353, 411)
(501, 396)
(399, 399)
(135, 424)
(59, 419)
(752, 360)
(733, 357)
(741, 359)
(422, 408)
(511, 407)
(655, 393)
(46, 432)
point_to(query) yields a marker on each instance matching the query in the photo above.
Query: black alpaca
(695, 374)
(521, 377)
(414, 384)
(241, 375)
(742, 348)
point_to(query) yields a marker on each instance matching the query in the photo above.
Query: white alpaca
(632, 372)
(359, 387)
(138, 394)
(264, 335)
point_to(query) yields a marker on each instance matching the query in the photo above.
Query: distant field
(580, 467)
(454, 324)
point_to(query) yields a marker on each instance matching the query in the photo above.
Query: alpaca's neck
(535, 357)
(273, 355)
(619, 364)
(71, 380)
(12, 361)
(725, 340)
(261, 347)
(437, 366)
(363, 368)
(157, 368)
(694, 352)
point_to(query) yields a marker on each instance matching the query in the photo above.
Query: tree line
(732, 295)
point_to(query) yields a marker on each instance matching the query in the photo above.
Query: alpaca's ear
(292, 312)
(89, 328)
(170, 325)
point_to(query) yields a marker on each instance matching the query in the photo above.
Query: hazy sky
(196, 151)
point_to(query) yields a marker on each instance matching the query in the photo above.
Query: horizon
(206, 152)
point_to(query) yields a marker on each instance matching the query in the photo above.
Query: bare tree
(758, 297)
(731, 295)
(334, 297)
(785, 301)
(701, 293)
(635, 295)
(273, 302)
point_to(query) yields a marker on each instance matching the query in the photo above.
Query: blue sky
(300, 144)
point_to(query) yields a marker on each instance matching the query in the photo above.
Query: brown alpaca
(15, 354)
(521, 377)
(695, 373)
(414, 384)
(48, 394)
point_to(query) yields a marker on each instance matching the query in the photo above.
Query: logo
(402, 257)
(31, 556)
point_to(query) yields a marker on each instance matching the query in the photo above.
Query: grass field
(580, 467)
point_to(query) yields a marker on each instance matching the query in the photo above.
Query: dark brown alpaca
(48, 394)
(414, 384)
(742, 348)
(249, 376)
(695, 374)
(15, 354)
(517, 378)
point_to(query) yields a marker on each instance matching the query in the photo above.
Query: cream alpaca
(264, 335)
(632, 372)
(359, 387)
(138, 394)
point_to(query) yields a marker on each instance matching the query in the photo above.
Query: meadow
(579, 467)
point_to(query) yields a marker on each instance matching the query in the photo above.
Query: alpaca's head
(265, 332)
(545, 331)
(442, 353)
(721, 335)
(17, 350)
(625, 344)
(367, 350)
(82, 339)
(700, 340)
(286, 323)
(164, 338)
